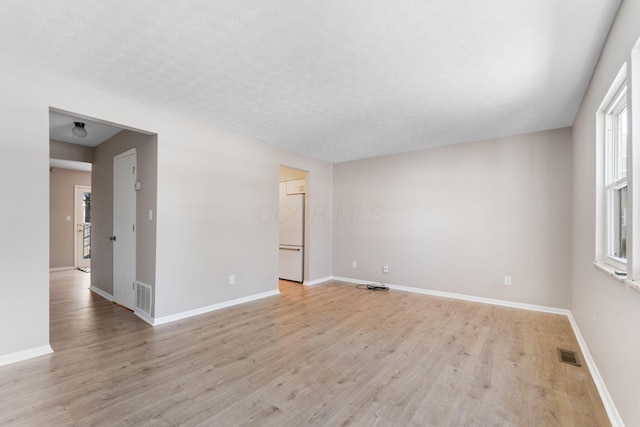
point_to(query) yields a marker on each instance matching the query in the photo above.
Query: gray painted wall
(460, 218)
(606, 311)
(62, 184)
(146, 199)
(65, 151)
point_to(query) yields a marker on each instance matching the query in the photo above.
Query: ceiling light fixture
(79, 130)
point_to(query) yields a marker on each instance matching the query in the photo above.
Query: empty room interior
(320, 213)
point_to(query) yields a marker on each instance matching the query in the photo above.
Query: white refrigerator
(291, 222)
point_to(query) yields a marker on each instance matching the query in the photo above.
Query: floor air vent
(568, 356)
(143, 297)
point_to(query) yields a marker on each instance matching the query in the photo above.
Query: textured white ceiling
(335, 79)
(60, 126)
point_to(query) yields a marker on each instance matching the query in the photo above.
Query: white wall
(460, 218)
(212, 187)
(24, 191)
(613, 337)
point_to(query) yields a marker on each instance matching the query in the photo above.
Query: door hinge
(133, 227)
(133, 170)
(133, 285)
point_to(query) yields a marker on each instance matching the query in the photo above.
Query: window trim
(629, 74)
(608, 180)
(613, 181)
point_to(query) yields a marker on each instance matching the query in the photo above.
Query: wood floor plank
(324, 355)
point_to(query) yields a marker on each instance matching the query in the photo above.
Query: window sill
(607, 269)
(610, 271)
(633, 284)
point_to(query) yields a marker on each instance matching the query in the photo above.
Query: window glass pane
(86, 229)
(621, 232)
(86, 207)
(621, 144)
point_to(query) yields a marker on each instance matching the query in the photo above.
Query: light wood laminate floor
(324, 355)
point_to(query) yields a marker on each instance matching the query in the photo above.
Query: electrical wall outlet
(232, 279)
(507, 280)
(354, 264)
(385, 269)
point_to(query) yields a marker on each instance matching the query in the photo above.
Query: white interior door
(82, 231)
(124, 228)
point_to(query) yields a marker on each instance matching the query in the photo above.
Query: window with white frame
(618, 176)
(615, 178)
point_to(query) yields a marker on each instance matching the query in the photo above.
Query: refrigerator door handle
(290, 249)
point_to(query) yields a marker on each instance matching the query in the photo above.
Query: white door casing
(124, 228)
(82, 229)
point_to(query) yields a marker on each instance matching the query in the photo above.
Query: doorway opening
(92, 207)
(293, 241)
(82, 220)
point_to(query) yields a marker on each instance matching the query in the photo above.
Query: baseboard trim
(607, 401)
(144, 316)
(102, 293)
(350, 280)
(54, 269)
(503, 303)
(532, 307)
(317, 281)
(203, 310)
(19, 356)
